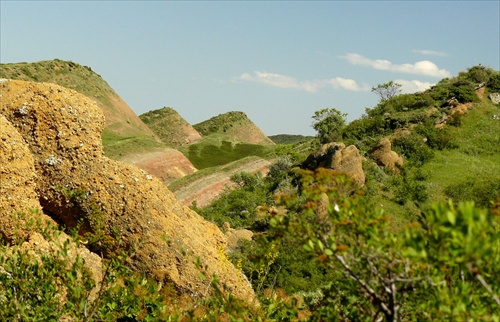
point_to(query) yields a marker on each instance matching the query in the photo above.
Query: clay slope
(121, 122)
(165, 163)
(236, 125)
(170, 127)
(123, 205)
(208, 188)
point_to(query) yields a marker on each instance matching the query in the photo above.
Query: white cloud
(430, 52)
(413, 86)
(347, 84)
(424, 67)
(284, 81)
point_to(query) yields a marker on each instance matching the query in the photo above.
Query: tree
(329, 123)
(387, 90)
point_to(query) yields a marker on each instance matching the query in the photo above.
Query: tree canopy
(329, 122)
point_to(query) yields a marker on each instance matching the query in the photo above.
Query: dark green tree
(329, 122)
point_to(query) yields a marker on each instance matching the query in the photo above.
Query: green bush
(47, 285)
(443, 268)
(413, 147)
(483, 191)
(461, 89)
(494, 83)
(438, 139)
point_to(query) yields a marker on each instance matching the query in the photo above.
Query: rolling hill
(125, 137)
(170, 127)
(234, 125)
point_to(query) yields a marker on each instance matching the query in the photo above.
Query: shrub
(494, 83)
(50, 285)
(413, 147)
(444, 268)
(483, 191)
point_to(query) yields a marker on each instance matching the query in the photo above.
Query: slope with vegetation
(170, 127)
(235, 125)
(417, 242)
(125, 136)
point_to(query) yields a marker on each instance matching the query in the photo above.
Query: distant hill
(170, 127)
(120, 119)
(235, 125)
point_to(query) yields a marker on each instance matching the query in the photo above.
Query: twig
(488, 288)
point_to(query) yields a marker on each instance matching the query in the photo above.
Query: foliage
(413, 147)
(387, 90)
(50, 285)
(238, 207)
(329, 122)
(461, 89)
(443, 268)
(409, 187)
(482, 191)
(494, 83)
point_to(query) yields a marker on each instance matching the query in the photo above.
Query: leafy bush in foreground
(445, 266)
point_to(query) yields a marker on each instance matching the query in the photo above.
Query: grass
(116, 146)
(65, 73)
(218, 149)
(476, 158)
(224, 169)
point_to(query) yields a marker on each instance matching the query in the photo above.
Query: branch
(481, 280)
(488, 288)
(363, 284)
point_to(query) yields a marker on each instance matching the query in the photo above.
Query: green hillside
(121, 122)
(418, 223)
(170, 127)
(235, 125)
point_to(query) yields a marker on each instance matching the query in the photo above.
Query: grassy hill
(122, 123)
(170, 127)
(235, 125)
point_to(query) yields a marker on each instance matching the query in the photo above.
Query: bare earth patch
(209, 188)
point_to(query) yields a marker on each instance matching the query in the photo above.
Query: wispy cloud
(413, 86)
(423, 67)
(288, 82)
(430, 52)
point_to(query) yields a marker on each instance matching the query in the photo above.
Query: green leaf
(451, 216)
(320, 245)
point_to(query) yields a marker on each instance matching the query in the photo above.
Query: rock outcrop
(17, 184)
(235, 235)
(385, 157)
(495, 98)
(337, 156)
(130, 208)
(21, 216)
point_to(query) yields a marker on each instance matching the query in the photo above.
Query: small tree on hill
(329, 123)
(387, 90)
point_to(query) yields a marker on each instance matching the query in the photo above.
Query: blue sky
(278, 62)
